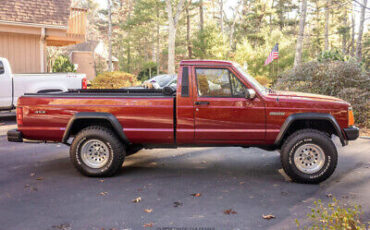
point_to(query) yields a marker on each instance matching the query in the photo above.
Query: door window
(213, 83)
(218, 83)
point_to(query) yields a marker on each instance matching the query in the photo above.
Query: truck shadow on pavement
(216, 161)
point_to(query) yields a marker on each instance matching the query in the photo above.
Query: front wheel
(97, 151)
(309, 156)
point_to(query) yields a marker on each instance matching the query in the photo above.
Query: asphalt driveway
(182, 188)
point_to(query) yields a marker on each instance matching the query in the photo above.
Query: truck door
(222, 113)
(6, 88)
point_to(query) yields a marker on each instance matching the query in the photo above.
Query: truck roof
(206, 62)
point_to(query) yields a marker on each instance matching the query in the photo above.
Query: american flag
(273, 55)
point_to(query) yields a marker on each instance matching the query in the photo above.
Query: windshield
(250, 79)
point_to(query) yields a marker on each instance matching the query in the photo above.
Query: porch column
(43, 51)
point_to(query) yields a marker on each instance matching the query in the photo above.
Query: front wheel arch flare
(309, 116)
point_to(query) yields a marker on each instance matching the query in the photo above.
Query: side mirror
(250, 94)
(2, 70)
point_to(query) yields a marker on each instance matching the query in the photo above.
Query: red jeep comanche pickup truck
(215, 104)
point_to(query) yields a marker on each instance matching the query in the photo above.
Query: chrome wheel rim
(94, 153)
(309, 158)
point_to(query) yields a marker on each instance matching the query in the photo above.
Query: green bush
(334, 216)
(62, 64)
(114, 80)
(334, 78)
(331, 55)
(149, 70)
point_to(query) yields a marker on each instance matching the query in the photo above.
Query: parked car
(160, 81)
(14, 85)
(103, 126)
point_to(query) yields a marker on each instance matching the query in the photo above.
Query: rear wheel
(309, 156)
(97, 151)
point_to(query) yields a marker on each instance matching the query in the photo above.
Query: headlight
(351, 119)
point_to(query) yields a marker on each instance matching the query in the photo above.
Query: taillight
(84, 83)
(351, 119)
(19, 115)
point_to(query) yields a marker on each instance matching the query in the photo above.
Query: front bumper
(15, 136)
(352, 133)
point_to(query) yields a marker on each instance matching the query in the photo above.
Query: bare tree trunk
(110, 35)
(344, 39)
(201, 15)
(232, 29)
(188, 31)
(327, 16)
(173, 18)
(361, 31)
(302, 23)
(222, 17)
(353, 32)
(158, 39)
(272, 6)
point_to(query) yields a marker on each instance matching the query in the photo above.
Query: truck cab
(224, 107)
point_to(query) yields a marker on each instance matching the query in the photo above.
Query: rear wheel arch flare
(82, 120)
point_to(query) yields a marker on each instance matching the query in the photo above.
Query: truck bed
(107, 93)
(147, 116)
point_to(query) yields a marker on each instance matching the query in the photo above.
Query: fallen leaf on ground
(137, 200)
(230, 211)
(148, 210)
(196, 194)
(268, 217)
(284, 193)
(286, 177)
(103, 193)
(177, 204)
(101, 181)
(39, 178)
(32, 174)
(149, 225)
(242, 182)
(62, 227)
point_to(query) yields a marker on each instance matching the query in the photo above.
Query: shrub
(331, 55)
(334, 78)
(114, 80)
(63, 64)
(334, 216)
(265, 81)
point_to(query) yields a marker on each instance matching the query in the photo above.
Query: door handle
(202, 103)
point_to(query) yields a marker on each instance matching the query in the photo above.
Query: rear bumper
(352, 133)
(15, 136)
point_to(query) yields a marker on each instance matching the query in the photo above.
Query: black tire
(116, 151)
(308, 137)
